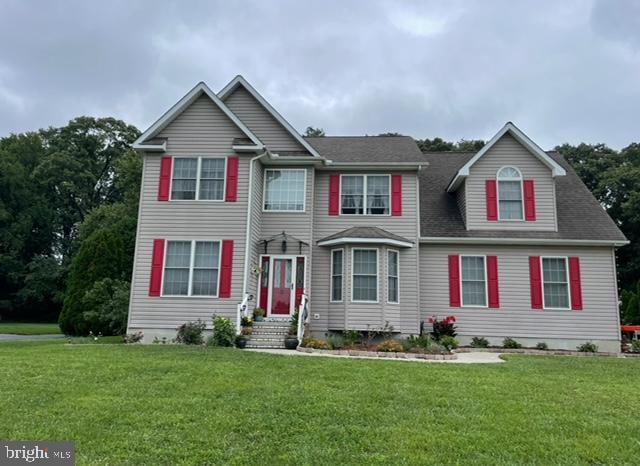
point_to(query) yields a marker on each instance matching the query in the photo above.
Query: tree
(390, 134)
(314, 132)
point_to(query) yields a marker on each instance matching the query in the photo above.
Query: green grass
(28, 328)
(156, 404)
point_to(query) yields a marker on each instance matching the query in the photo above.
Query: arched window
(510, 206)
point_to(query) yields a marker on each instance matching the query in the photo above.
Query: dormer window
(510, 205)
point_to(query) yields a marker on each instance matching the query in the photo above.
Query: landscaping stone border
(533, 351)
(380, 354)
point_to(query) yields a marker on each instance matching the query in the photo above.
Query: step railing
(243, 309)
(303, 316)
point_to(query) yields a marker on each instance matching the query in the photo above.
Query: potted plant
(241, 341)
(258, 314)
(291, 340)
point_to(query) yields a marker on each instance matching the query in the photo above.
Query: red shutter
(529, 201)
(536, 282)
(492, 200)
(454, 281)
(157, 262)
(492, 277)
(396, 195)
(334, 194)
(232, 179)
(226, 269)
(164, 187)
(576, 283)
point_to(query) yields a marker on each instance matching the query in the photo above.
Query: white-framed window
(473, 281)
(365, 194)
(337, 275)
(510, 203)
(198, 178)
(393, 273)
(364, 275)
(555, 283)
(284, 190)
(191, 268)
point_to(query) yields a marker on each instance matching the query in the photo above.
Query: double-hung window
(198, 178)
(284, 190)
(393, 292)
(555, 283)
(337, 272)
(510, 205)
(191, 268)
(473, 281)
(364, 279)
(365, 194)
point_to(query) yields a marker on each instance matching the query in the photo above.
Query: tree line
(68, 212)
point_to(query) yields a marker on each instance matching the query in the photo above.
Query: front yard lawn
(29, 328)
(185, 405)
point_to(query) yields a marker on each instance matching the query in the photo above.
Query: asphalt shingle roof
(365, 232)
(367, 148)
(580, 216)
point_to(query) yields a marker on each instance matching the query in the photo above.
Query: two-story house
(237, 208)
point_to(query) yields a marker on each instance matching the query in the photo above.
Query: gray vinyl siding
(202, 129)
(260, 122)
(515, 318)
(508, 151)
(362, 316)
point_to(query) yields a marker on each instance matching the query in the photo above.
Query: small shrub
(160, 341)
(588, 347)
(391, 345)
(352, 337)
(435, 348)
(258, 312)
(422, 341)
(293, 326)
(246, 331)
(479, 342)
(510, 343)
(336, 342)
(246, 322)
(224, 332)
(635, 346)
(311, 342)
(449, 342)
(190, 333)
(542, 346)
(133, 337)
(443, 327)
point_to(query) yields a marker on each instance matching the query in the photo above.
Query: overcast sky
(563, 71)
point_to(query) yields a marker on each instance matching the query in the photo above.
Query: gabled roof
(171, 114)
(240, 81)
(365, 235)
(370, 149)
(580, 217)
(463, 172)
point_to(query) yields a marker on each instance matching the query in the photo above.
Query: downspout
(248, 223)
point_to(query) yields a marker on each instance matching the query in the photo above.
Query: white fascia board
(387, 241)
(182, 104)
(556, 169)
(331, 165)
(523, 241)
(245, 148)
(239, 80)
(150, 147)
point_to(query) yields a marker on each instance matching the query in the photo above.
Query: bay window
(364, 275)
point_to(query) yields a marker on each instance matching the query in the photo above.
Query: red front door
(281, 286)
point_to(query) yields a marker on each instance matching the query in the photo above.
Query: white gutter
(248, 233)
(346, 240)
(523, 241)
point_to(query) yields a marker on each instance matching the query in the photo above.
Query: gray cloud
(563, 71)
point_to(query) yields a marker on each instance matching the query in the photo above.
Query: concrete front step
(269, 331)
(272, 324)
(262, 345)
(266, 338)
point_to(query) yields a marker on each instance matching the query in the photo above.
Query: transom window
(392, 276)
(337, 272)
(284, 190)
(191, 268)
(364, 275)
(365, 194)
(510, 194)
(198, 178)
(474, 281)
(555, 282)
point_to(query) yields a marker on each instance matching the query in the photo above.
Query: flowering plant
(442, 327)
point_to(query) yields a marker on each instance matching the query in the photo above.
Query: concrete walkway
(11, 337)
(463, 358)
